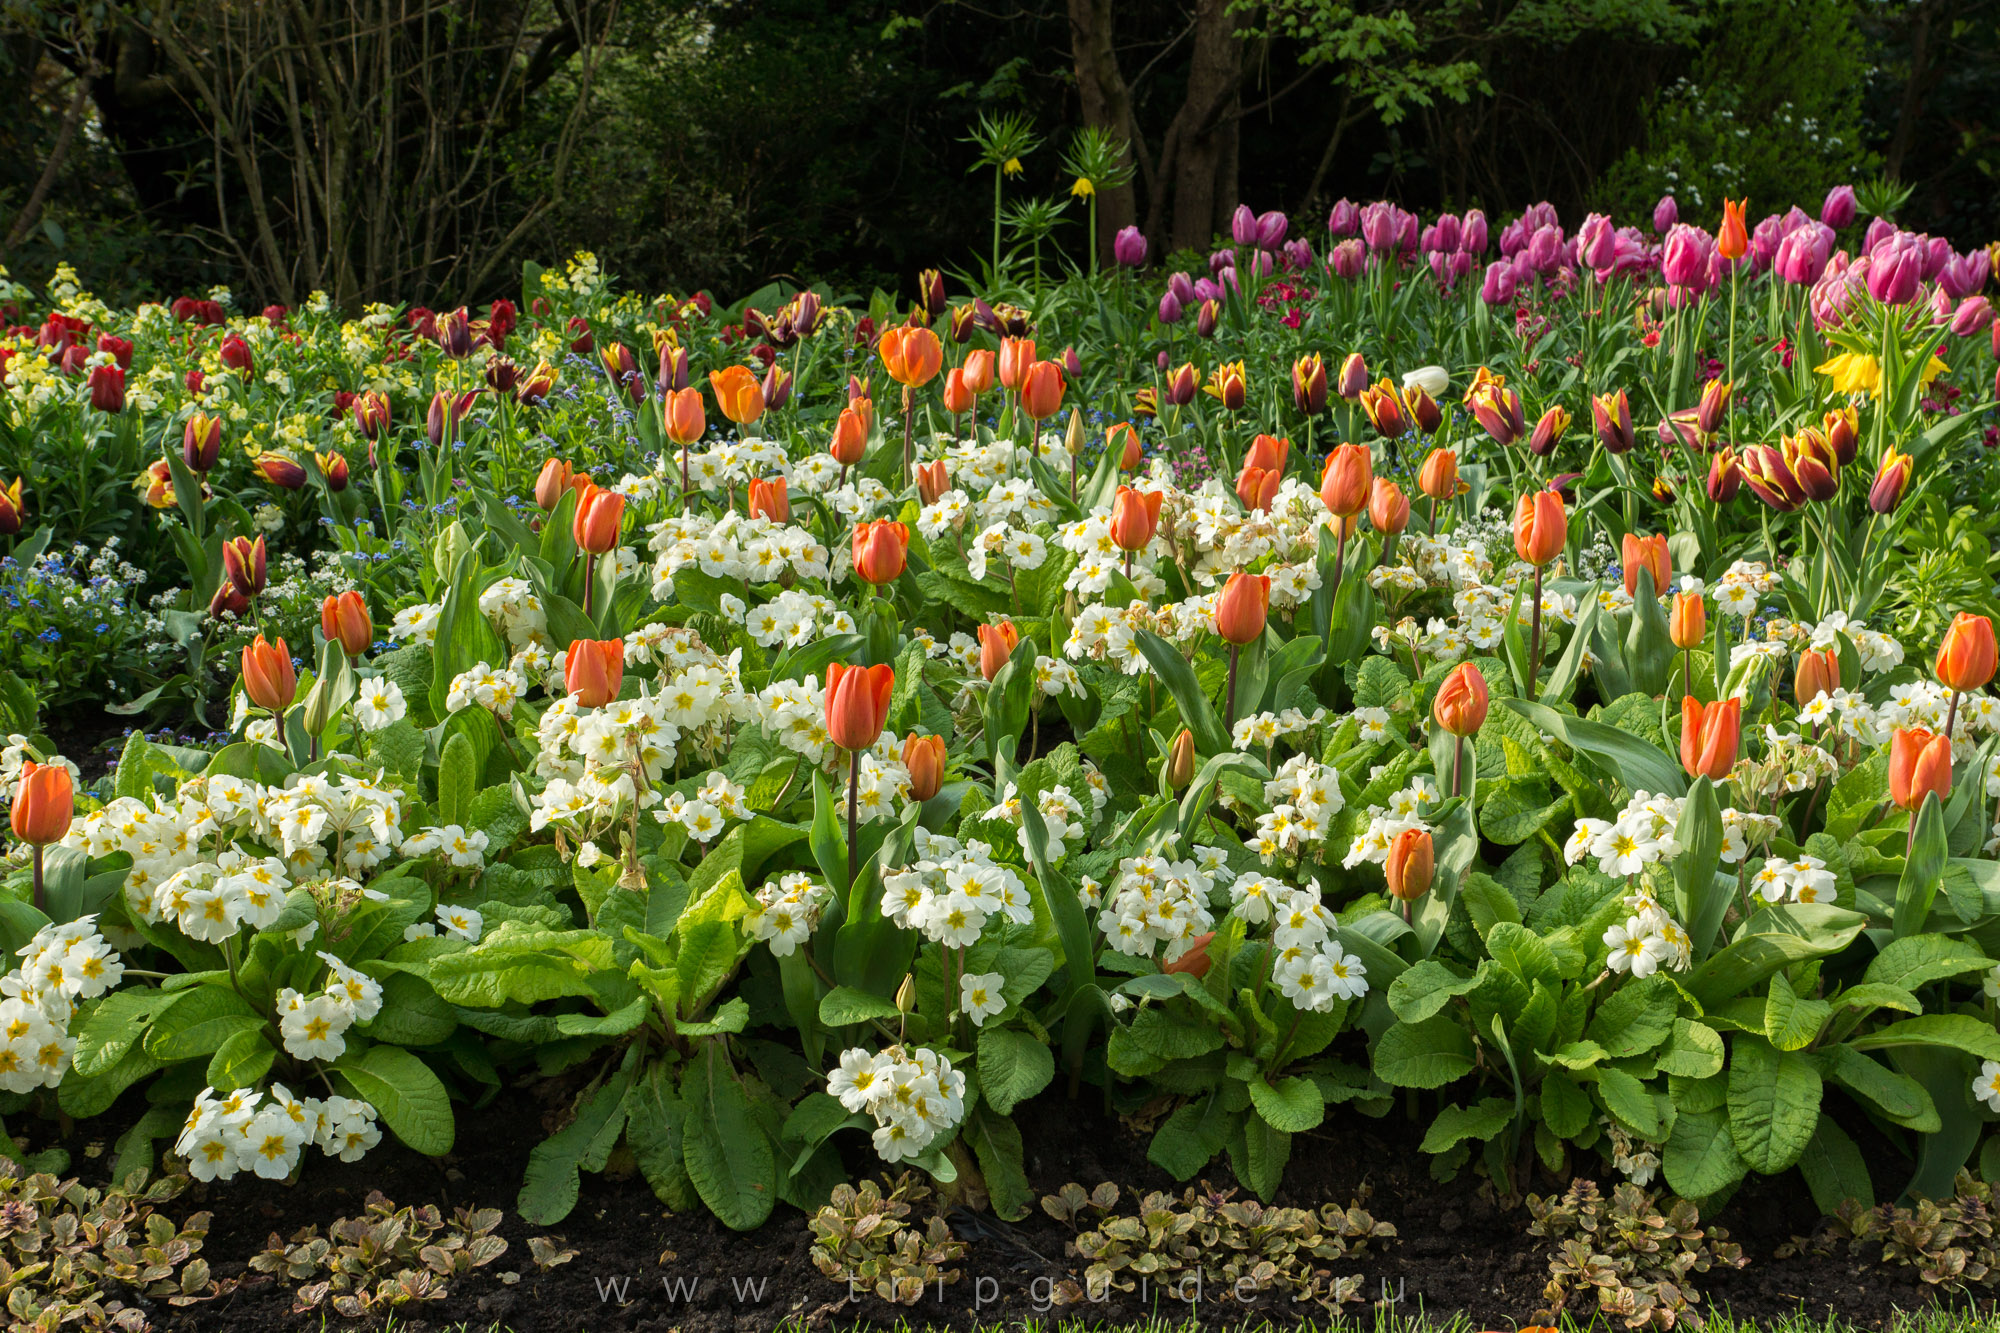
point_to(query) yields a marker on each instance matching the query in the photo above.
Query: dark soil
(1456, 1248)
(88, 737)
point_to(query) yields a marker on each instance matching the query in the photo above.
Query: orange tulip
(1919, 764)
(1411, 864)
(924, 758)
(1135, 515)
(268, 677)
(599, 516)
(1243, 607)
(1195, 959)
(1461, 702)
(593, 670)
(857, 704)
(1016, 355)
(1732, 240)
(1688, 625)
(769, 499)
(1268, 452)
(44, 804)
(1709, 736)
(912, 356)
(850, 434)
(1541, 526)
(1647, 553)
(1438, 478)
(1818, 673)
(685, 419)
(556, 477)
(880, 551)
(1180, 760)
(958, 398)
(1042, 390)
(1125, 439)
(737, 393)
(996, 647)
(1388, 507)
(1349, 476)
(1257, 487)
(1965, 659)
(979, 369)
(344, 620)
(932, 481)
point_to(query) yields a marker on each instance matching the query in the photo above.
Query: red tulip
(857, 704)
(593, 670)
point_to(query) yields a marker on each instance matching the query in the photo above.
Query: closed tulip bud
(1309, 384)
(930, 293)
(737, 394)
(1813, 465)
(1388, 507)
(1769, 476)
(1891, 480)
(454, 335)
(201, 442)
(1688, 625)
(1650, 554)
(1072, 363)
(1498, 411)
(1438, 477)
(600, 514)
(1123, 439)
(243, 563)
(344, 620)
(1170, 309)
(446, 416)
(857, 704)
(1714, 407)
(996, 647)
(958, 399)
(962, 323)
(1423, 409)
(1919, 766)
(933, 480)
(11, 512)
(682, 416)
(280, 470)
(777, 385)
(268, 678)
(880, 551)
(1042, 390)
(1461, 702)
(924, 760)
(1134, 517)
(1383, 406)
(1073, 434)
(1725, 476)
(1128, 248)
(770, 499)
(44, 804)
(1611, 414)
(235, 354)
(1548, 432)
(675, 371)
(594, 670)
(107, 388)
(1348, 479)
(1843, 433)
(1818, 673)
(1207, 317)
(1180, 760)
(1541, 526)
(1411, 864)
(978, 371)
(1182, 384)
(556, 479)
(1709, 736)
(1965, 659)
(1016, 355)
(333, 467)
(912, 357)
(1242, 608)
(1268, 452)
(371, 413)
(1257, 487)
(1353, 377)
(1839, 208)
(850, 435)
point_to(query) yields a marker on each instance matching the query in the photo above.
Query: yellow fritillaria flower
(1083, 189)
(1854, 372)
(1012, 166)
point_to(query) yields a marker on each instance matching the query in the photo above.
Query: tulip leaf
(1923, 869)
(1179, 678)
(1619, 754)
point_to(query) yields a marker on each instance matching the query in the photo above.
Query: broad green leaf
(1291, 1104)
(1923, 870)
(1773, 938)
(1792, 1021)
(1917, 960)
(1898, 1096)
(241, 1061)
(1425, 989)
(844, 1005)
(1638, 1017)
(550, 1184)
(1774, 1101)
(1486, 1119)
(1189, 1139)
(1626, 1098)
(1960, 1032)
(406, 1094)
(1619, 754)
(728, 1157)
(1701, 1158)
(1013, 1067)
(199, 1024)
(1694, 1052)
(1429, 1054)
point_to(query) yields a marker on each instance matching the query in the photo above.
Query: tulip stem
(853, 802)
(1457, 768)
(1535, 640)
(909, 411)
(1434, 516)
(1687, 672)
(589, 579)
(1229, 706)
(1951, 717)
(40, 904)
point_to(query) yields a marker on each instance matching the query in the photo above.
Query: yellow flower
(1851, 372)
(1083, 188)
(1012, 166)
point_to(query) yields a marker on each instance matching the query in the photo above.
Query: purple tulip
(1440, 264)
(1243, 225)
(1802, 255)
(1379, 226)
(1974, 315)
(1545, 248)
(1461, 264)
(1539, 215)
(1406, 231)
(1271, 228)
(1764, 243)
(1298, 255)
(1937, 253)
(1260, 263)
(1182, 286)
(1207, 289)
(1450, 231)
(1840, 207)
(1514, 238)
(1221, 259)
(1128, 248)
(1498, 286)
(1684, 255)
(1666, 214)
(1473, 238)
(1170, 308)
(1161, 360)
(1348, 258)
(1597, 243)
(1833, 291)
(1879, 230)
(1942, 306)
(1896, 271)
(1345, 219)
(1967, 274)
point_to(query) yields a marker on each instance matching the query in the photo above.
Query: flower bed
(809, 736)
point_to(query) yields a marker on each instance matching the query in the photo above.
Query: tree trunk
(1107, 104)
(1206, 145)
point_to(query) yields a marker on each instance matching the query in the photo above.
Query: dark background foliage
(420, 149)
